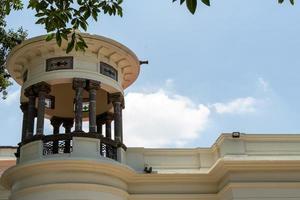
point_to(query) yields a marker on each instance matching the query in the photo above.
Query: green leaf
(7, 7)
(70, 46)
(83, 25)
(39, 14)
(41, 21)
(50, 36)
(206, 2)
(58, 38)
(191, 5)
(292, 2)
(95, 14)
(280, 1)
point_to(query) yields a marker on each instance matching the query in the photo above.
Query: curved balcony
(64, 143)
(49, 145)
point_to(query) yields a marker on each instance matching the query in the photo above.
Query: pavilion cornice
(100, 48)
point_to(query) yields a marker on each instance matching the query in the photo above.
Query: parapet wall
(259, 167)
(247, 146)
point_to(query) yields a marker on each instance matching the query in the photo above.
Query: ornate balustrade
(63, 144)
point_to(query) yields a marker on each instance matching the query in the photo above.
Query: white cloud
(159, 120)
(237, 106)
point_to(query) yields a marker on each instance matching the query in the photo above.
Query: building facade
(70, 164)
(255, 167)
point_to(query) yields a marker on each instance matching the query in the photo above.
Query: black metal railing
(57, 144)
(63, 143)
(108, 148)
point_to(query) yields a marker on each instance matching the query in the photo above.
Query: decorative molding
(59, 63)
(108, 71)
(79, 83)
(92, 84)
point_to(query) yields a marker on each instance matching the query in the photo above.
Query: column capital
(79, 83)
(67, 122)
(24, 106)
(92, 84)
(56, 121)
(116, 98)
(101, 118)
(30, 92)
(42, 87)
(107, 116)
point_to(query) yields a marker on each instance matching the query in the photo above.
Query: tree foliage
(192, 4)
(61, 19)
(8, 39)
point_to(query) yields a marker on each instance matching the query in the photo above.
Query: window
(108, 70)
(50, 102)
(59, 63)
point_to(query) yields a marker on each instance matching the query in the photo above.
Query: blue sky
(233, 66)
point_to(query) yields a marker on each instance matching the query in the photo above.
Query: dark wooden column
(78, 85)
(24, 108)
(56, 123)
(92, 87)
(68, 124)
(100, 121)
(29, 92)
(108, 120)
(117, 101)
(41, 89)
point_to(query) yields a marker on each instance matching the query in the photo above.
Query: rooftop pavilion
(71, 88)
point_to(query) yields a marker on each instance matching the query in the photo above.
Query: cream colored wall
(32, 54)
(252, 146)
(64, 98)
(85, 65)
(252, 167)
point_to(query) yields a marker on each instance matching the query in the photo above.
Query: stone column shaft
(78, 86)
(40, 113)
(99, 128)
(117, 101)
(56, 123)
(118, 121)
(93, 86)
(100, 121)
(41, 89)
(68, 124)
(24, 108)
(29, 92)
(108, 129)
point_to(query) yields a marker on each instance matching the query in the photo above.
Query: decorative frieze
(108, 70)
(59, 63)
